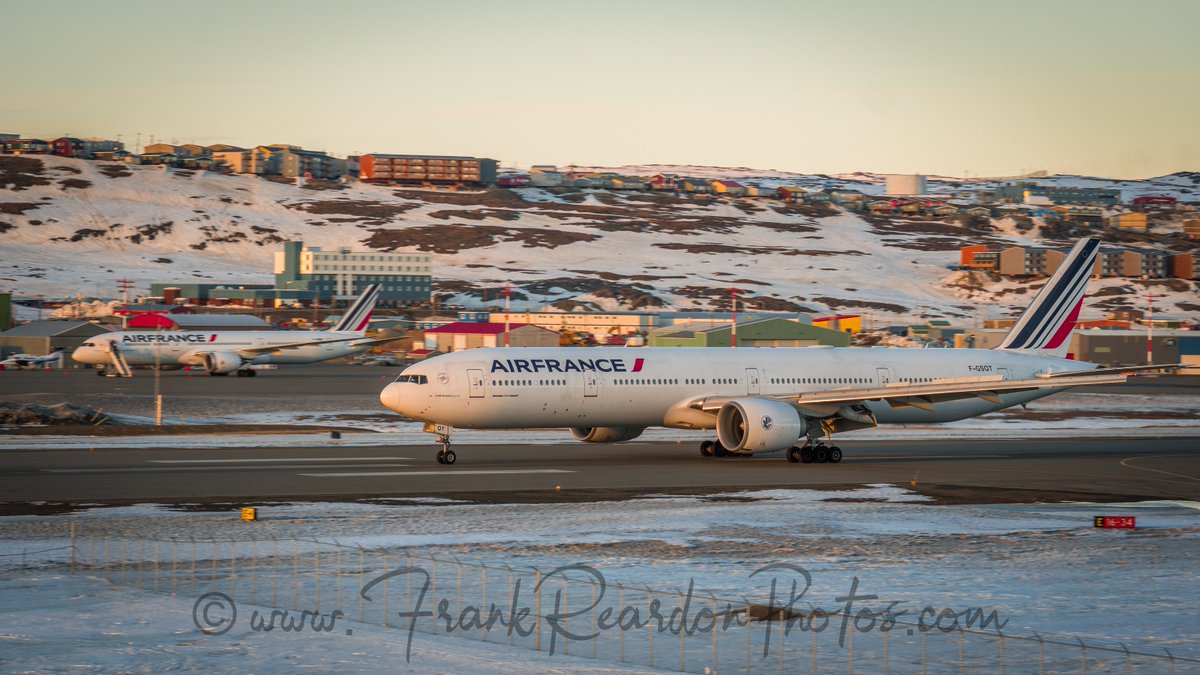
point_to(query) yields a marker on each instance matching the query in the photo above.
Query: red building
(1155, 200)
(66, 146)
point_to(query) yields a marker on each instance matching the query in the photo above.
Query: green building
(5, 311)
(762, 333)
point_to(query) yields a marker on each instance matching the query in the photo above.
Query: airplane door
(475, 377)
(752, 384)
(884, 376)
(589, 384)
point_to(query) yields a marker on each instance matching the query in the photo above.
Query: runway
(956, 471)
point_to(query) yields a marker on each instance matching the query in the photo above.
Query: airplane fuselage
(145, 348)
(601, 387)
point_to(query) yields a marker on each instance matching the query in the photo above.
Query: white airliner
(224, 352)
(758, 400)
(22, 361)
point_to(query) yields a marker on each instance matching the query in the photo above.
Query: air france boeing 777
(224, 352)
(758, 400)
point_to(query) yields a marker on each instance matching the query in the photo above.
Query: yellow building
(843, 323)
(600, 325)
(1128, 221)
(1191, 229)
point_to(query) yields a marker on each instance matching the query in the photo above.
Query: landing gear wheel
(821, 454)
(719, 450)
(706, 449)
(807, 455)
(441, 458)
(793, 454)
(448, 457)
(835, 454)
(213, 374)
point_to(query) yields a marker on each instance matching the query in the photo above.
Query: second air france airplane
(756, 400)
(224, 352)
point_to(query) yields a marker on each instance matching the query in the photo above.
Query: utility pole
(1150, 296)
(124, 285)
(507, 313)
(733, 293)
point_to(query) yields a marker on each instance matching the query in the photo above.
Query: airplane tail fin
(359, 313)
(1048, 321)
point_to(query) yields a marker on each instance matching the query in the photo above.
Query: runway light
(558, 488)
(249, 514)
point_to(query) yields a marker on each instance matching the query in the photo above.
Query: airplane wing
(925, 394)
(251, 352)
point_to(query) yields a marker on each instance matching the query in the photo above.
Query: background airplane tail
(358, 315)
(1048, 321)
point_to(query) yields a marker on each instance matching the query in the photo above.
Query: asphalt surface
(970, 471)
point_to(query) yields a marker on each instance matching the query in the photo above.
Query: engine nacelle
(222, 362)
(758, 425)
(606, 434)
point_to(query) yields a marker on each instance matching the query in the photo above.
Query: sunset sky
(1095, 87)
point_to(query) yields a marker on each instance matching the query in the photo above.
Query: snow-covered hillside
(70, 226)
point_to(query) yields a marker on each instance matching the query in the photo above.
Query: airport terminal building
(406, 277)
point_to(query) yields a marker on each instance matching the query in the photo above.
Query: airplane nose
(390, 397)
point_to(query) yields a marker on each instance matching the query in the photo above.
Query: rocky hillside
(71, 226)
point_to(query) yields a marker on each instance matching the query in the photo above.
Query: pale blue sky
(1075, 86)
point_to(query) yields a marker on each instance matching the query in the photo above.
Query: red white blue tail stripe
(358, 315)
(1047, 323)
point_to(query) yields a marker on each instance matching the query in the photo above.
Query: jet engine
(221, 363)
(759, 425)
(606, 434)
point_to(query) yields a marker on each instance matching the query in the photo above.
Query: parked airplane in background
(224, 352)
(757, 400)
(29, 360)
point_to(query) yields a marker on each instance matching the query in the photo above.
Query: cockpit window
(414, 379)
(89, 344)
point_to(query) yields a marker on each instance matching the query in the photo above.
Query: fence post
(510, 595)
(537, 615)
(1128, 661)
(387, 568)
(194, 556)
(174, 564)
(682, 634)
(458, 577)
(1082, 656)
(337, 567)
(362, 567)
(1041, 653)
(317, 574)
(1001, 650)
(621, 605)
(72, 542)
(887, 634)
(962, 649)
(487, 623)
(567, 595)
(254, 571)
(814, 640)
(782, 645)
(850, 645)
(924, 656)
(233, 568)
(275, 572)
(595, 626)
(295, 570)
(155, 565)
(715, 653)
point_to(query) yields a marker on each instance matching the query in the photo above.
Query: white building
(905, 184)
(404, 276)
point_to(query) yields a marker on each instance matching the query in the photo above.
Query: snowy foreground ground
(1042, 569)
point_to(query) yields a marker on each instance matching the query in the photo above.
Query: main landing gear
(818, 453)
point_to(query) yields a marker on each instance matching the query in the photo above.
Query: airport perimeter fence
(243, 585)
